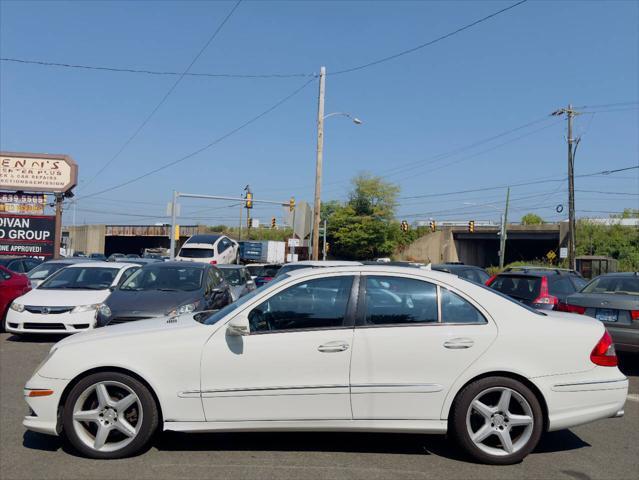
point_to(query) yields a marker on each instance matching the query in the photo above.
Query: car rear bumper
(576, 402)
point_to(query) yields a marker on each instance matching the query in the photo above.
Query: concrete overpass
(457, 244)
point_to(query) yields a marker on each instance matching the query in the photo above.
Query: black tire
(458, 427)
(150, 417)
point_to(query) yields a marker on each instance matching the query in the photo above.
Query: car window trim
(361, 304)
(348, 322)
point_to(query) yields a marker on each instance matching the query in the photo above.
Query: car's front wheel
(497, 420)
(109, 415)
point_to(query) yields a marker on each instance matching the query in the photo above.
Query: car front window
(232, 276)
(44, 270)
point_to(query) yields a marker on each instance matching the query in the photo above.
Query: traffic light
(291, 204)
(273, 222)
(249, 200)
(433, 226)
(471, 226)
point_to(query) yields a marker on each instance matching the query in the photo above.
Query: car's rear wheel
(497, 420)
(110, 415)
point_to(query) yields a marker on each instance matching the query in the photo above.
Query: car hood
(148, 301)
(142, 327)
(604, 300)
(63, 298)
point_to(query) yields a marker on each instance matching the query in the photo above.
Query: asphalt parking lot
(605, 449)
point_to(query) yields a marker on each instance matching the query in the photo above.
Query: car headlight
(104, 310)
(181, 310)
(18, 307)
(46, 359)
(85, 308)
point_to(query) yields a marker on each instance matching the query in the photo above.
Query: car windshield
(166, 279)
(197, 252)
(44, 270)
(613, 284)
(232, 276)
(520, 287)
(255, 270)
(81, 278)
(217, 315)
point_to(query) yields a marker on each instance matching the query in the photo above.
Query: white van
(213, 249)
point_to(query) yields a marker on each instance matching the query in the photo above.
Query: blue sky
(502, 74)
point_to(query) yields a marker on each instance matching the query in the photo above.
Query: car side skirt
(389, 426)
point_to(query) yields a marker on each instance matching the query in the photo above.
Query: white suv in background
(206, 248)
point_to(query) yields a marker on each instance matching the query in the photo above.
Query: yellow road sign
(551, 255)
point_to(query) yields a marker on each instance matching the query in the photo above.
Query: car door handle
(458, 343)
(335, 346)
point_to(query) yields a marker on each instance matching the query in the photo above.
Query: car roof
(230, 266)
(175, 263)
(326, 263)
(71, 261)
(380, 268)
(204, 238)
(98, 263)
(453, 266)
(11, 257)
(620, 274)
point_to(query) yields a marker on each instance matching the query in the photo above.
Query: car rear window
(613, 284)
(521, 287)
(197, 253)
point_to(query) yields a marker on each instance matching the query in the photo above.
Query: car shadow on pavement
(560, 441)
(39, 441)
(25, 338)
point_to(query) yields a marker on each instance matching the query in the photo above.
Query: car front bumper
(43, 410)
(61, 323)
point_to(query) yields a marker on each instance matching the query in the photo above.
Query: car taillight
(565, 307)
(544, 297)
(604, 353)
(213, 262)
(634, 314)
(490, 280)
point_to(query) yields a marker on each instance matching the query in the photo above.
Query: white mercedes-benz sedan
(67, 300)
(358, 348)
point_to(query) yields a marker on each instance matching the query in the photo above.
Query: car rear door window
(399, 300)
(16, 266)
(312, 304)
(455, 309)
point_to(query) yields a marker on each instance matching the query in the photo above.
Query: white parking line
(633, 397)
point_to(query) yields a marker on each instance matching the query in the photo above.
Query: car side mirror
(113, 288)
(238, 327)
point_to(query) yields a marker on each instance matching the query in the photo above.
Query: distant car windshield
(520, 287)
(197, 252)
(613, 284)
(290, 267)
(166, 279)
(220, 314)
(81, 278)
(232, 276)
(44, 270)
(255, 270)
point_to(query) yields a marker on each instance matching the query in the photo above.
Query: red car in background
(12, 286)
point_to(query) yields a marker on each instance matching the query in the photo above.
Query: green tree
(364, 227)
(531, 219)
(617, 241)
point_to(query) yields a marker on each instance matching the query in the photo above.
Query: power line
(427, 44)
(607, 193)
(205, 147)
(155, 72)
(166, 95)
(534, 182)
(606, 105)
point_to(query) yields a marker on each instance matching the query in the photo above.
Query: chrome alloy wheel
(107, 416)
(499, 421)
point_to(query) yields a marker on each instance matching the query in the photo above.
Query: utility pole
(173, 223)
(572, 146)
(57, 243)
(504, 234)
(239, 230)
(318, 165)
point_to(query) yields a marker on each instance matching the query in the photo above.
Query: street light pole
(318, 165)
(504, 233)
